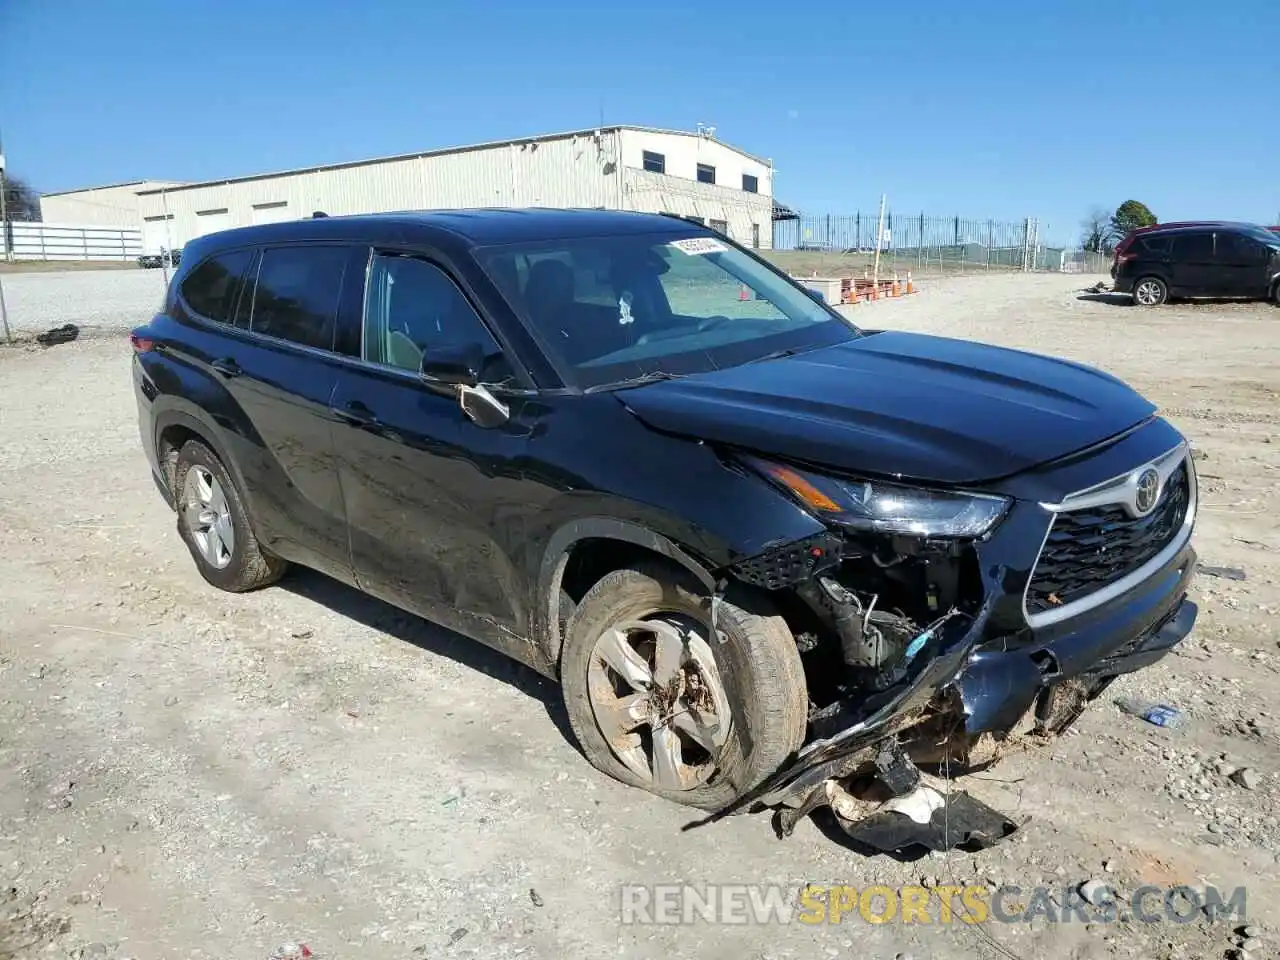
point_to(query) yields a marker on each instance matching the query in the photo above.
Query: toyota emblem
(1146, 492)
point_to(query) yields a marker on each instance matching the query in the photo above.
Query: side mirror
(458, 370)
(453, 366)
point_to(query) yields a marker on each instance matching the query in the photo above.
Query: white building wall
(590, 169)
(112, 206)
(746, 217)
(579, 171)
(683, 153)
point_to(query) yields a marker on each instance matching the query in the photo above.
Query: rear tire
(732, 722)
(215, 527)
(1150, 291)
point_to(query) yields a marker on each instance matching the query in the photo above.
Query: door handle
(227, 366)
(355, 414)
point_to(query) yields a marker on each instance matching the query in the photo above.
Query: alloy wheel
(658, 700)
(208, 516)
(1148, 293)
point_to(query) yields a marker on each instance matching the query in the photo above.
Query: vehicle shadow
(1115, 299)
(825, 821)
(348, 602)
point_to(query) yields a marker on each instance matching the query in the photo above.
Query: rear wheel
(215, 527)
(658, 703)
(1150, 292)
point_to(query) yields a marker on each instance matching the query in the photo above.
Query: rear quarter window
(211, 289)
(1156, 246)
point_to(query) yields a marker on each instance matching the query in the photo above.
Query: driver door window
(411, 306)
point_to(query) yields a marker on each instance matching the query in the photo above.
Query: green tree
(1131, 215)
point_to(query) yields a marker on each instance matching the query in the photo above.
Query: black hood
(900, 404)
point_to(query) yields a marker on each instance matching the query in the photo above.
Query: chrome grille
(1094, 546)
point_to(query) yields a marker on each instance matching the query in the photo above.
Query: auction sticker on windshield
(696, 246)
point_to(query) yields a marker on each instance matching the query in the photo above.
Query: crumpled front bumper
(998, 680)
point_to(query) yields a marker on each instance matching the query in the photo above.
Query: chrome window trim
(1117, 491)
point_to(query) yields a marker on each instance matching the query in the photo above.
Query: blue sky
(994, 109)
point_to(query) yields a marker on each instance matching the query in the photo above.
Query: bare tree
(21, 201)
(1097, 235)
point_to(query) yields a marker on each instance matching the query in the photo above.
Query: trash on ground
(1159, 714)
(292, 951)
(63, 334)
(927, 818)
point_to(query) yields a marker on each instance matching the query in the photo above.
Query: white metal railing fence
(20, 240)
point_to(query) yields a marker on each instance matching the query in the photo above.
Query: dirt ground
(185, 773)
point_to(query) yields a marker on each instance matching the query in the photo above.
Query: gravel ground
(185, 773)
(97, 301)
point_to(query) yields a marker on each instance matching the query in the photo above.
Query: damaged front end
(919, 654)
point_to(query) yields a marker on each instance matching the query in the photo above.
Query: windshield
(614, 309)
(1266, 236)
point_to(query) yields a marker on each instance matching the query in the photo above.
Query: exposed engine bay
(909, 671)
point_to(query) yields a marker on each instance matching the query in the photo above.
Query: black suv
(1203, 259)
(760, 549)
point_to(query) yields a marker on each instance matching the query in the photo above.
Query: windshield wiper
(778, 354)
(640, 381)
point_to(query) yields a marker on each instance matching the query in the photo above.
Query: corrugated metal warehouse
(113, 205)
(618, 168)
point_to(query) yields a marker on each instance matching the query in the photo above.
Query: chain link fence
(845, 245)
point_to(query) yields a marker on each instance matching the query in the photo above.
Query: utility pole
(4, 208)
(875, 271)
(4, 229)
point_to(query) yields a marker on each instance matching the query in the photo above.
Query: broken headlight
(888, 507)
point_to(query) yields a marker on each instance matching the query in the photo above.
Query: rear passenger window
(211, 288)
(296, 297)
(1194, 246)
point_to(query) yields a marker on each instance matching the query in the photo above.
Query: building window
(721, 226)
(755, 236)
(706, 173)
(750, 183)
(655, 162)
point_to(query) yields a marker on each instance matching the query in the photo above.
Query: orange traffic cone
(895, 290)
(744, 293)
(911, 288)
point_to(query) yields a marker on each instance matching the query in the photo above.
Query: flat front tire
(215, 527)
(657, 702)
(1150, 292)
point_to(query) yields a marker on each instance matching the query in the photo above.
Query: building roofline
(442, 151)
(110, 186)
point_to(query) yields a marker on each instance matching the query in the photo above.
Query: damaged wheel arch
(622, 541)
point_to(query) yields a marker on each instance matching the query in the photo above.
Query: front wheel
(1150, 292)
(656, 702)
